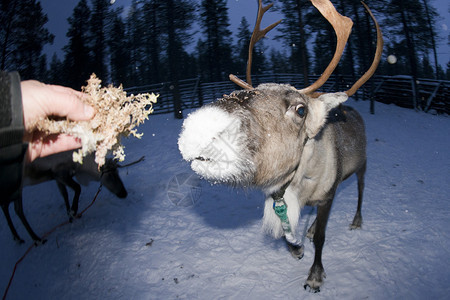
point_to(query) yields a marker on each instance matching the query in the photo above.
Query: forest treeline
(149, 41)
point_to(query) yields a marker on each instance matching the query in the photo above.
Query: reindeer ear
(318, 110)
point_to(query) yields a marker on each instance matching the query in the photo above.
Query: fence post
(196, 91)
(372, 95)
(200, 93)
(178, 111)
(415, 93)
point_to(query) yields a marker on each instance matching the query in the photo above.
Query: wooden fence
(433, 95)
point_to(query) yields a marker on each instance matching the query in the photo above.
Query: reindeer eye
(301, 110)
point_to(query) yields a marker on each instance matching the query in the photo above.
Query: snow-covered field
(209, 245)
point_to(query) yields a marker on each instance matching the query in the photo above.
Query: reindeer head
(110, 178)
(256, 136)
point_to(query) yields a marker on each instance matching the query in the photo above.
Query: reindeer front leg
(64, 180)
(317, 272)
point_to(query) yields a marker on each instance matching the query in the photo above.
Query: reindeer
(296, 145)
(62, 168)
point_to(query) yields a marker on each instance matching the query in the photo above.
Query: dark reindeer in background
(296, 145)
(61, 168)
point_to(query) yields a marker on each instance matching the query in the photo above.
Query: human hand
(41, 100)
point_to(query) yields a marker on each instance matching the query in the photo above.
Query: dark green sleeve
(12, 147)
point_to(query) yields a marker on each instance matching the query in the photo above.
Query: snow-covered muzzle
(215, 142)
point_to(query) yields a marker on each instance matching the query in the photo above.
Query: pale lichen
(116, 115)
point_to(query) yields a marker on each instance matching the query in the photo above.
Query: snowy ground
(210, 245)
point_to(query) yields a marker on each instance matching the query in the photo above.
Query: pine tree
(440, 72)
(100, 20)
(176, 22)
(215, 22)
(56, 69)
(295, 36)
(426, 70)
(279, 61)
(408, 24)
(119, 51)
(78, 60)
(259, 64)
(243, 41)
(22, 38)
(202, 59)
(134, 32)
(431, 16)
(151, 40)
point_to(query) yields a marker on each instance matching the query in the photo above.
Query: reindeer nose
(201, 129)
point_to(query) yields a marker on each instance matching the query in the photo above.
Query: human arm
(21, 105)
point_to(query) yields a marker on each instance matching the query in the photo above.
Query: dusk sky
(58, 12)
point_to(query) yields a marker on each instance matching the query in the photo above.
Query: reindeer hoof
(315, 279)
(308, 288)
(357, 222)
(296, 251)
(40, 242)
(73, 215)
(19, 240)
(353, 226)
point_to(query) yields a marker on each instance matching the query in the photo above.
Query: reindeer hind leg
(5, 208)
(357, 220)
(18, 207)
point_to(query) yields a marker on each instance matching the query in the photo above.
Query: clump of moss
(116, 115)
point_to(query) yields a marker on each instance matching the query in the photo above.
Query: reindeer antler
(257, 35)
(342, 27)
(376, 59)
